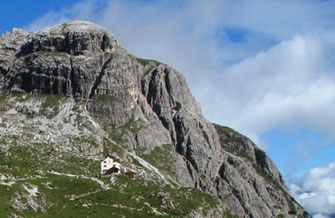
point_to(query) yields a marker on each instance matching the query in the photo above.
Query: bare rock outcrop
(30, 199)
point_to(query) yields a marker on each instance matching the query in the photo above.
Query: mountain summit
(71, 94)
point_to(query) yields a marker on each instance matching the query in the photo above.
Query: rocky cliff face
(140, 106)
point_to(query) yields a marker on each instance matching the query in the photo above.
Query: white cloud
(316, 191)
(86, 10)
(283, 87)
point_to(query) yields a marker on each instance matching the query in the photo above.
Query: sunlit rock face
(140, 105)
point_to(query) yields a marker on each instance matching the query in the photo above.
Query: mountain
(71, 94)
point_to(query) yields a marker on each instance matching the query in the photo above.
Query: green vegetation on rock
(232, 141)
(144, 62)
(104, 98)
(53, 53)
(163, 158)
(50, 105)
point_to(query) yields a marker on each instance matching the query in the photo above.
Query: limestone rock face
(142, 105)
(65, 60)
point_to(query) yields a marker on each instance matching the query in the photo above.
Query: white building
(110, 165)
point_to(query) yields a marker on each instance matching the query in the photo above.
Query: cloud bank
(316, 191)
(286, 86)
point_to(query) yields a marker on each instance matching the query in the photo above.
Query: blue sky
(21, 13)
(316, 147)
(262, 67)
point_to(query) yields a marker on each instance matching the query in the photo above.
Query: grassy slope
(133, 198)
(30, 165)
